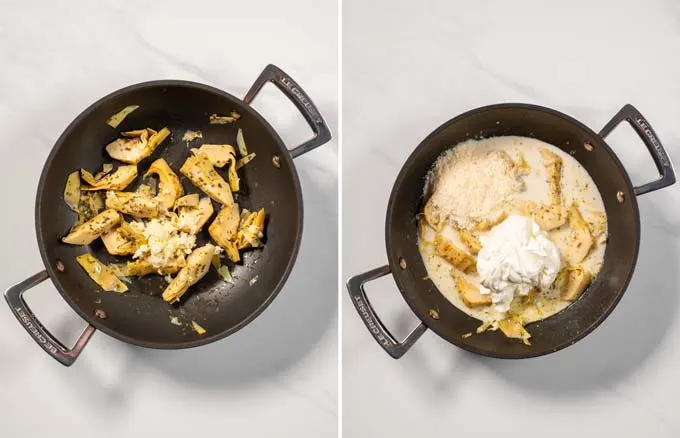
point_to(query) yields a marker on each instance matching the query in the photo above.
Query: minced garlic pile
(164, 241)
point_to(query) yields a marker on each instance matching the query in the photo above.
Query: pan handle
(290, 88)
(394, 348)
(663, 162)
(14, 296)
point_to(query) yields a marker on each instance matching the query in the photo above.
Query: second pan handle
(663, 163)
(394, 348)
(273, 74)
(14, 296)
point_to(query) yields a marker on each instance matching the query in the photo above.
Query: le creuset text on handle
(661, 159)
(394, 348)
(14, 296)
(290, 88)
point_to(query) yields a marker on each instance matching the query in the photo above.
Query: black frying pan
(140, 316)
(557, 331)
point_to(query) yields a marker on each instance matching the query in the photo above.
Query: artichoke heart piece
(197, 328)
(90, 205)
(94, 180)
(216, 261)
(598, 225)
(117, 180)
(101, 274)
(118, 118)
(256, 220)
(140, 268)
(198, 264)
(218, 154)
(454, 255)
(469, 293)
(156, 139)
(521, 166)
(192, 219)
(143, 133)
(223, 272)
(203, 175)
(553, 167)
(116, 244)
(223, 120)
(575, 282)
(106, 169)
(86, 233)
(134, 204)
(146, 190)
(583, 240)
(241, 143)
(72, 191)
(251, 230)
(225, 226)
(243, 217)
(432, 214)
(489, 223)
(169, 187)
(137, 268)
(88, 178)
(548, 217)
(132, 149)
(187, 201)
(245, 160)
(470, 240)
(234, 180)
(136, 145)
(231, 250)
(513, 328)
(124, 240)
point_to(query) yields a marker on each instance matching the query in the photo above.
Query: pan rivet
(620, 197)
(402, 263)
(276, 161)
(589, 147)
(433, 314)
(60, 266)
(100, 314)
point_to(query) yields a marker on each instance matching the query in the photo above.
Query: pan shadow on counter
(616, 350)
(626, 340)
(288, 329)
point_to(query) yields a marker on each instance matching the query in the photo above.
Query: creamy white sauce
(577, 187)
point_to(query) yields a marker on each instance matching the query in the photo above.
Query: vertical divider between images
(340, 221)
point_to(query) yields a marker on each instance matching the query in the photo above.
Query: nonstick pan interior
(575, 321)
(140, 316)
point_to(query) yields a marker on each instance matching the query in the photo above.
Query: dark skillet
(555, 332)
(140, 316)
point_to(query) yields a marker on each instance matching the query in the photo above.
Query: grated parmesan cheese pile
(469, 184)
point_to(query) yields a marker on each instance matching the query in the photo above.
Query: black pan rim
(54, 274)
(394, 265)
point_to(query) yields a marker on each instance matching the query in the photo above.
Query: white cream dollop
(515, 257)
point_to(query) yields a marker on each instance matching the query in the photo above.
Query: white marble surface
(410, 66)
(276, 377)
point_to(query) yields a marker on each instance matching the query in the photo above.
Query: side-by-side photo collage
(340, 219)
